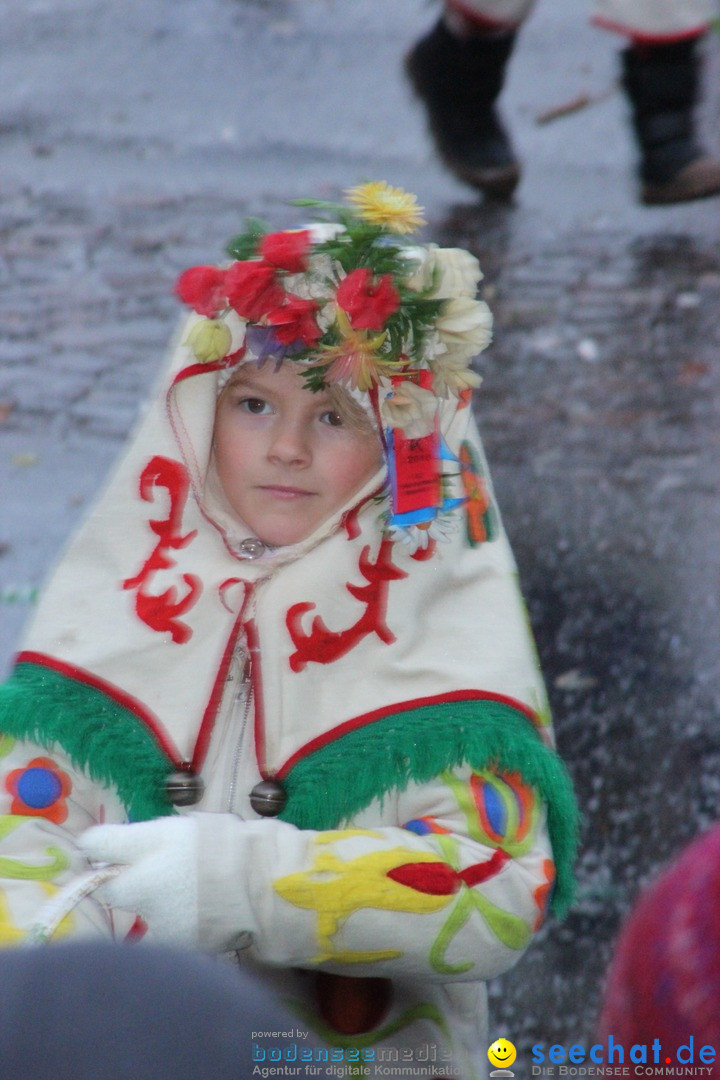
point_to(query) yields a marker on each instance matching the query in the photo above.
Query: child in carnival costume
(286, 665)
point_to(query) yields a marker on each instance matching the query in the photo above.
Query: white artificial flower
(411, 408)
(322, 231)
(316, 282)
(447, 272)
(443, 527)
(452, 374)
(417, 538)
(464, 326)
(410, 537)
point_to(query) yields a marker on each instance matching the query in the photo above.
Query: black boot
(459, 79)
(662, 84)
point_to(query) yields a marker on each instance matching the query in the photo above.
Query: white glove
(187, 876)
(160, 879)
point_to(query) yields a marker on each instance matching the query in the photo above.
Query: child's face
(285, 458)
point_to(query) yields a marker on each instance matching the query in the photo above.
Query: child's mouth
(279, 491)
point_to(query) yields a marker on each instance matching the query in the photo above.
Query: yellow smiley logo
(502, 1053)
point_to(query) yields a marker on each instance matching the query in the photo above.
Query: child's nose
(290, 443)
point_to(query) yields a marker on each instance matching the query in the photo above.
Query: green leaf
(245, 244)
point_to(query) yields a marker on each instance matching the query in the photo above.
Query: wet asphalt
(135, 139)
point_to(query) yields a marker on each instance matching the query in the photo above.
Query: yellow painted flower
(390, 207)
(210, 340)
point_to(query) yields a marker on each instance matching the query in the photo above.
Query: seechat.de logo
(611, 1058)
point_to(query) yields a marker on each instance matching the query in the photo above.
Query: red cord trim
(210, 715)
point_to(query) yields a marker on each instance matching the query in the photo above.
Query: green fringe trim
(325, 789)
(100, 736)
(337, 781)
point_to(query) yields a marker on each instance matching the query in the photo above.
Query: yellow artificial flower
(390, 207)
(210, 340)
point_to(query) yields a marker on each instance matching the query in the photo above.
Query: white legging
(644, 20)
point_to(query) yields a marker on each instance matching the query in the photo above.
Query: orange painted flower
(541, 894)
(39, 790)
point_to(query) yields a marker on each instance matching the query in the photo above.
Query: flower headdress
(355, 305)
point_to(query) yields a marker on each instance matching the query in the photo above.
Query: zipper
(244, 692)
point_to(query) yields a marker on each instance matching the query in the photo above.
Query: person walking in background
(458, 70)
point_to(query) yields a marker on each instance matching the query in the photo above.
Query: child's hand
(160, 879)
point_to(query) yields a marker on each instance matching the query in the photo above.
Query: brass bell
(184, 788)
(268, 798)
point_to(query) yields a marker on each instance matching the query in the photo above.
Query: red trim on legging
(479, 22)
(127, 701)
(404, 706)
(649, 39)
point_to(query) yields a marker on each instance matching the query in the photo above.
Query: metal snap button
(184, 788)
(268, 798)
(252, 548)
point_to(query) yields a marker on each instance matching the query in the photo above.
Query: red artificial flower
(252, 289)
(295, 321)
(287, 250)
(203, 289)
(368, 303)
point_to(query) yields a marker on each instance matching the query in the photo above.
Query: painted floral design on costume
(323, 646)
(162, 611)
(39, 790)
(480, 521)
(422, 826)
(398, 879)
(335, 888)
(541, 895)
(17, 870)
(500, 809)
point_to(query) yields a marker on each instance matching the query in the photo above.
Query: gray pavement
(135, 138)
